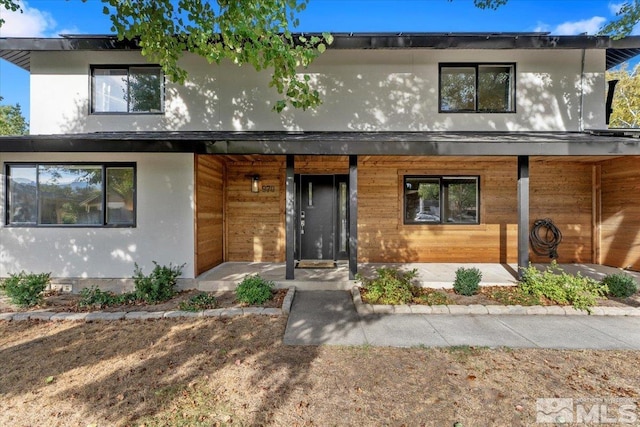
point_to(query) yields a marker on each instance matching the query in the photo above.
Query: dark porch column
(290, 217)
(523, 213)
(353, 217)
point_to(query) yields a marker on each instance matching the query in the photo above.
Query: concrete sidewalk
(329, 317)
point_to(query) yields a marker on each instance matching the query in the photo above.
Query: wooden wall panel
(383, 237)
(562, 191)
(209, 212)
(620, 227)
(255, 222)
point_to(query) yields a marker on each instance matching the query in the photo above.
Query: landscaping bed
(549, 287)
(60, 302)
(497, 295)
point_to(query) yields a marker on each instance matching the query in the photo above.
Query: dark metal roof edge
(593, 143)
(363, 41)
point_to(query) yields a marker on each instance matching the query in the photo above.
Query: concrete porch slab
(434, 275)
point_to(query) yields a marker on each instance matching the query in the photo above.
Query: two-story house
(427, 148)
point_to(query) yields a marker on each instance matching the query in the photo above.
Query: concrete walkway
(330, 317)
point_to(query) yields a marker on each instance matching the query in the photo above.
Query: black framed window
(477, 88)
(441, 199)
(63, 194)
(127, 89)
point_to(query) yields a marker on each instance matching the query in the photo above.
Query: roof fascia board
(281, 143)
(361, 41)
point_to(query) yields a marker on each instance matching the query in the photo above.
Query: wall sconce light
(255, 183)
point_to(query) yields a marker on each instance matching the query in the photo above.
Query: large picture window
(477, 88)
(441, 200)
(122, 89)
(71, 194)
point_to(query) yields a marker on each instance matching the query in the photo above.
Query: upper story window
(83, 194)
(127, 89)
(477, 88)
(441, 199)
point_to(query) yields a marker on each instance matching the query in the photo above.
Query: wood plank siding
(562, 191)
(620, 224)
(595, 202)
(255, 221)
(559, 190)
(209, 229)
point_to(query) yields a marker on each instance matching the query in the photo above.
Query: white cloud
(30, 23)
(569, 28)
(614, 8)
(542, 28)
(589, 26)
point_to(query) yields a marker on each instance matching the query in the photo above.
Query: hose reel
(545, 238)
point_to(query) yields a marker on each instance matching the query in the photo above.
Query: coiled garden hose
(545, 238)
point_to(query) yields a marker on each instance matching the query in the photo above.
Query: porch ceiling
(246, 144)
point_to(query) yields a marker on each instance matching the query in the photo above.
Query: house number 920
(269, 188)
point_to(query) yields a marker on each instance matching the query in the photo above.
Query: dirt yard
(237, 372)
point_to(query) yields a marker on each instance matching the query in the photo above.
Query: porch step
(303, 285)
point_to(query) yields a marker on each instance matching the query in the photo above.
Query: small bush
(620, 285)
(562, 288)
(390, 286)
(159, 285)
(94, 297)
(201, 301)
(26, 289)
(254, 290)
(467, 281)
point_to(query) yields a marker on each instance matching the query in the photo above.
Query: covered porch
(226, 276)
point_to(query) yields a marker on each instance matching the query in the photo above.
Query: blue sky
(48, 18)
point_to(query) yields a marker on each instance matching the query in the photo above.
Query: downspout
(581, 105)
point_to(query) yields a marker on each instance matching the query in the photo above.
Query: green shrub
(254, 290)
(467, 281)
(620, 285)
(201, 301)
(390, 286)
(562, 288)
(26, 289)
(94, 297)
(159, 285)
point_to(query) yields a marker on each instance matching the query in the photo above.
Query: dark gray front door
(322, 217)
(316, 217)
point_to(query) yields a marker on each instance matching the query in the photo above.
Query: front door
(321, 217)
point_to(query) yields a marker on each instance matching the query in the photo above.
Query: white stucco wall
(164, 231)
(363, 90)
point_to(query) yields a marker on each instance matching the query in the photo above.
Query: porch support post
(353, 217)
(523, 213)
(290, 217)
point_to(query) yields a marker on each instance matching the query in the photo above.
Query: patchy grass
(236, 371)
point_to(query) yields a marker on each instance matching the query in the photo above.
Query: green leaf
(322, 48)
(50, 380)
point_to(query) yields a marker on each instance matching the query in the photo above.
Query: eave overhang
(592, 143)
(18, 50)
